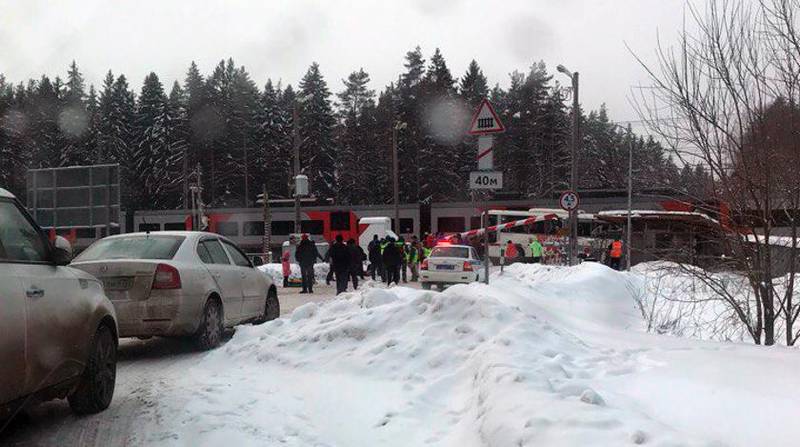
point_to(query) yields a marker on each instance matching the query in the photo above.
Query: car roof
(6, 195)
(186, 234)
(453, 245)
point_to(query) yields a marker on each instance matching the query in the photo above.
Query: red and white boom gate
(505, 226)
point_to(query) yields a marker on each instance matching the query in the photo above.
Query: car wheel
(209, 334)
(426, 286)
(272, 307)
(96, 386)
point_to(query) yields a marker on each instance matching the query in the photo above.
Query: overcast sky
(279, 39)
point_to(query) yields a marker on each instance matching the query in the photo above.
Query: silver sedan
(179, 283)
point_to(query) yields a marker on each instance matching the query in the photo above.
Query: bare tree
(726, 97)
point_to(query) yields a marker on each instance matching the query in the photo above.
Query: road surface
(144, 367)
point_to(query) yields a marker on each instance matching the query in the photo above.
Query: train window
(312, 226)
(282, 227)
(174, 226)
(340, 221)
(253, 228)
(228, 228)
(85, 233)
(149, 227)
(406, 225)
(450, 224)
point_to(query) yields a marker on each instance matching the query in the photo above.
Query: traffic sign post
(485, 180)
(485, 123)
(569, 201)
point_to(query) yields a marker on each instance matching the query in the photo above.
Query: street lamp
(628, 237)
(573, 178)
(398, 125)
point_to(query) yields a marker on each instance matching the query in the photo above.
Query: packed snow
(541, 356)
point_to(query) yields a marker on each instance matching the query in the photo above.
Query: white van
(381, 226)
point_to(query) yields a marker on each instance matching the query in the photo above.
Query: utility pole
(296, 138)
(266, 241)
(185, 169)
(630, 200)
(246, 173)
(395, 181)
(573, 178)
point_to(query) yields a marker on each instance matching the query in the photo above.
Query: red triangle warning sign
(485, 120)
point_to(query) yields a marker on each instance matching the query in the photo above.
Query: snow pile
(542, 356)
(275, 271)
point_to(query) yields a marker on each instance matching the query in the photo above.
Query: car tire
(272, 307)
(96, 386)
(426, 286)
(209, 334)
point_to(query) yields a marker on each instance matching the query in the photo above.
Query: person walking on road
(391, 262)
(412, 258)
(286, 267)
(615, 254)
(401, 249)
(306, 256)
(340, 264)
(510, 253)
(329, 276)
(375, 260)
(356, 261)
(536, 250)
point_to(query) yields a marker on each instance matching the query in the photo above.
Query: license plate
(118, 283)
(445, 267)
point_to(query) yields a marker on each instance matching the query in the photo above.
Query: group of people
(389, 259)
(516, 253)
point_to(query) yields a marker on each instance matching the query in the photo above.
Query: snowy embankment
(543, 356)
(275, 271)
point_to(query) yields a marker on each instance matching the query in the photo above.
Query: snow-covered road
(147, 370)
(542, 356)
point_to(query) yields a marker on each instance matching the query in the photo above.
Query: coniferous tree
(411, 138)
(356, 103)
(151, 145)
(473, 88)
(13, 156)
(119, 141)
(442, 132)
(177, 157)
(73, 119)
(317, 121)
(272, 158)
(286, 103)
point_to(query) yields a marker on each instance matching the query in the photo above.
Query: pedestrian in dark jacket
(375, 260)
(356, 261)
(329, 276)
(340, 263)
(391, 262)
(306, 254)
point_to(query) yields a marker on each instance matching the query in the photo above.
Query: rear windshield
(134, 247)
(450, 252)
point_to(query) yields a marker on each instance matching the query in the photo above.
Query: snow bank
(542, 356)
(275, 271)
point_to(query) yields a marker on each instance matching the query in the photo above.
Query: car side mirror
(257, 261)
(62, 251)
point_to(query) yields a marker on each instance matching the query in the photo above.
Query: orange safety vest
(511, 251)
(616, 249)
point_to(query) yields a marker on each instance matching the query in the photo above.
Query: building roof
(618, 216)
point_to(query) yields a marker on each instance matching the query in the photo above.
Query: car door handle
(34, 292)
(244, 275)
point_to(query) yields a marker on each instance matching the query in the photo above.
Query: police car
(451, 264)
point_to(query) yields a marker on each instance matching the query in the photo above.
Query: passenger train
(324, 222)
